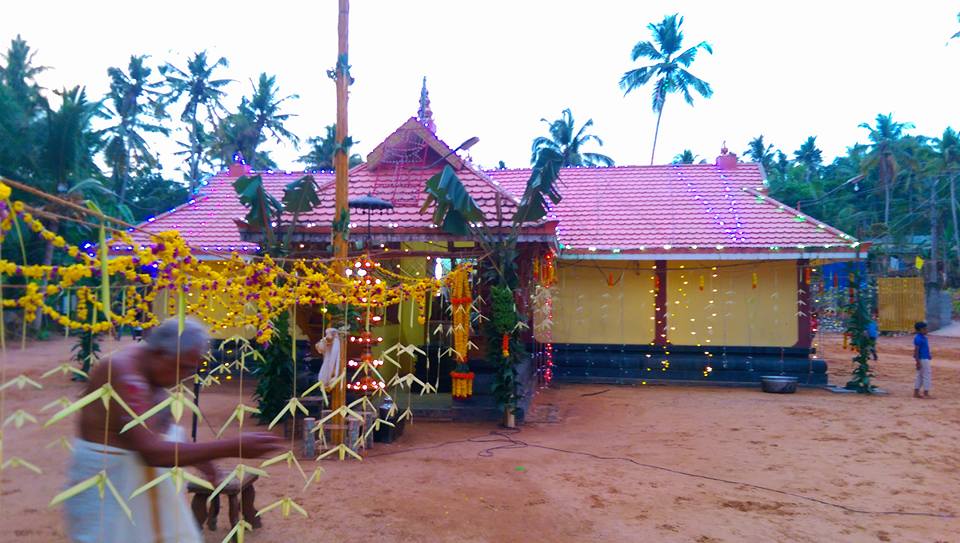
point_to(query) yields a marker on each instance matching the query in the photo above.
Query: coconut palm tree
(320, 155)
(566, 140)
(21, 105)
(686, 157)
(264, 104)
(669, 70)
(809, 156)
(760, 153)
(202, 96)
(885, 137)
(258, 115)
(130, 95)
(948, 155)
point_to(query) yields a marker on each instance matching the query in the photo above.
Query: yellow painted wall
(727, 312)
(587, 310)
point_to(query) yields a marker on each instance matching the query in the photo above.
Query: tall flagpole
(341, 219)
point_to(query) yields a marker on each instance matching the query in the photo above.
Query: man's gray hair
(195, 337)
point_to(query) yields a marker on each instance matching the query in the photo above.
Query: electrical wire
(507, 442)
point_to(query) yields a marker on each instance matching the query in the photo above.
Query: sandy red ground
(881, 453)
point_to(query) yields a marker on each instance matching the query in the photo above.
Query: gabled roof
(624, 212)
(406, 141)
(671, 210)
(208, 220)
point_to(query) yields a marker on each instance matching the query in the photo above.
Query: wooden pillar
(341, 166)
(660, 304)
(804, 336)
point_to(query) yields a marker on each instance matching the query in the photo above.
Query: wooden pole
(340, 164)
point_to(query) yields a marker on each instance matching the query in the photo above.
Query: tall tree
(669, 70)
(760, 153)
(320, 155)
(885, 137)
(948, 155)
(258, 116)
(21, 106)
(809, 157)
(567, 140)
(202, 95)
(135, 99)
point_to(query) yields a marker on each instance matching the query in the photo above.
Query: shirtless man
(141, 375)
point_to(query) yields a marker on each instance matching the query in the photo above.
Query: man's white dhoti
(159, 514)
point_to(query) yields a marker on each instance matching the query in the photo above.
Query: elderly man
(141, 374)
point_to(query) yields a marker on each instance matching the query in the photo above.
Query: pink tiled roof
(674, 208)
(207, 221)
(624, 209)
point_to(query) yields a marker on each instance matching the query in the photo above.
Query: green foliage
(455, 208)
(262, 207)
(566, 140)
(506, 385)
(541, 186)
(301, 196)
(275, 371)
(201, 94)
(858, 317)
(322, 149)
(86, 351)
(503, 309)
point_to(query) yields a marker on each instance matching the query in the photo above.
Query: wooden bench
(233, 491)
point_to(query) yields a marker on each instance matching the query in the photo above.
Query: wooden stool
(233, 492)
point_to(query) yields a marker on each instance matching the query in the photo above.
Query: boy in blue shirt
(921, 353)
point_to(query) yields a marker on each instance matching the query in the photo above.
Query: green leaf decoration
(238, 531)
(293, 404)
(238, 414)
(238, 473)
(60, 402)
(455, 208)
(313, 478)
(286, 504)
(17, 462)
(319, 385)
(541, 186)
(342, 450)
(63, 442)
(262, 206)
(21, 381)
(291, 460)
(301, 196)
(102, 482)
(65, 369)
(19, 418)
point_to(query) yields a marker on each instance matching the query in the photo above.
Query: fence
(901, 302)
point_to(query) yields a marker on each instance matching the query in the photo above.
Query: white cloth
(330, 347)
(924, 376)
(160, 514)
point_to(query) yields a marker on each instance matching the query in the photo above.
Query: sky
(786, 70)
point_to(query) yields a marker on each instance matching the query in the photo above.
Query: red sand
(883, 453)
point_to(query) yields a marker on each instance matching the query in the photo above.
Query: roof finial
(424, 115)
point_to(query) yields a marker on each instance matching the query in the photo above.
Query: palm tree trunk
(124, 173)
(656, 133)
(886, 204)
(953, 211)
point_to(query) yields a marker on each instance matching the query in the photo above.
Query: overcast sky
(786, 70)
